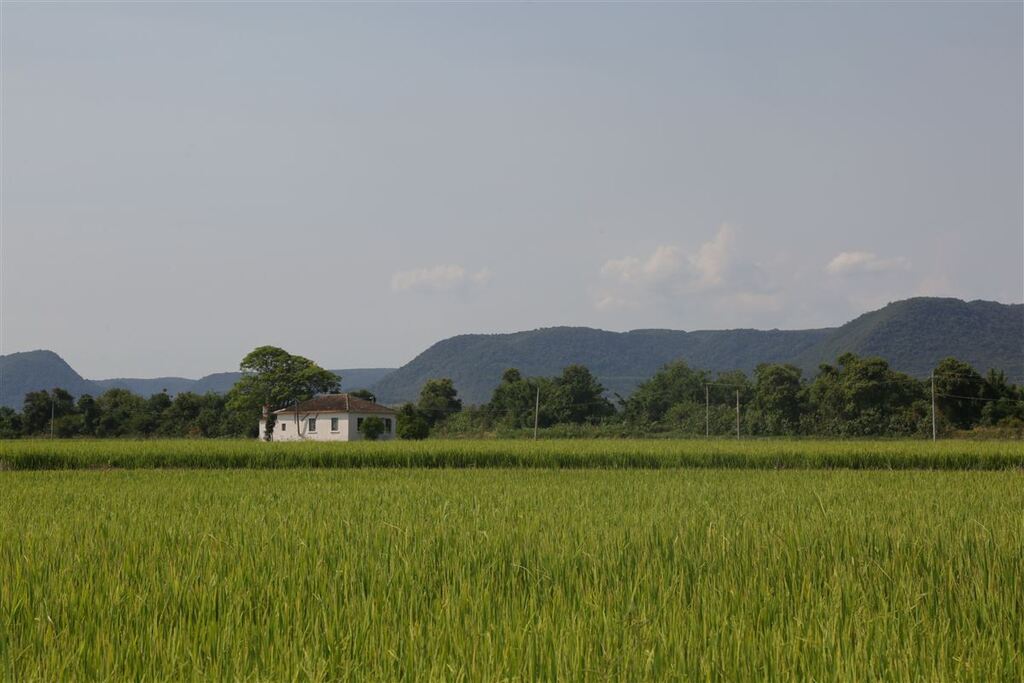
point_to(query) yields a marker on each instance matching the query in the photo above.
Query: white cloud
(850, 262)
(713, 257)
(709, 275)
(670, 266)
(438, 278)
(664, 262)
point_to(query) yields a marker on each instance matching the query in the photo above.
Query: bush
(372, 428)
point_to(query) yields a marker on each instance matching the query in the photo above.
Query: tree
(364, 394)
(90, 412)
(579, 397)
(35, 412)
(1003, 401)
(272, 378)
(863, 397)
(512, 402)
(778, 395)
(118, 408)
(372, 428)
(411, 424)
(10, 423)
(438, 400)
(958, 388)
(41, 406)
(674, 383)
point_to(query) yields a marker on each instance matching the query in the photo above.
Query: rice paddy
(509, 574)
(562, 454)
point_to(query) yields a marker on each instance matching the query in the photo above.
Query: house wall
(346, 427)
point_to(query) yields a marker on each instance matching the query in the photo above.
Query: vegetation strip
(527, 575)
(561, 454)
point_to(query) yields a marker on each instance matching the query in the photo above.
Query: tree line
(855, 397)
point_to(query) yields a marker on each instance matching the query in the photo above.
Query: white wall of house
(286, 429)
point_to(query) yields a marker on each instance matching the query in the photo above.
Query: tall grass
(506, 575)
(564, 454)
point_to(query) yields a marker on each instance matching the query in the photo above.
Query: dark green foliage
(10, 423)
(856, 397)
(438, 400)
(365, 394)
(371, 428)
(674, 384)
(578, 397)
(959, 390)
(272, 377)
(912, 335)
(411, 424)
(862, 397)
(779, 397)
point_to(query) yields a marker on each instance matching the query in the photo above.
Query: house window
(359, 424)
(387, 425)
(311, 423)
(334, 424)
(283, 425)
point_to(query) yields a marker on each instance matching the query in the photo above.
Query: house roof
(337, 403)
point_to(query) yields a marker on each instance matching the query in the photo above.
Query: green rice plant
(561, 454)
(511, 575)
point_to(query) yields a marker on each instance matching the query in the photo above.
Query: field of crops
(564, 454)
(526, 574)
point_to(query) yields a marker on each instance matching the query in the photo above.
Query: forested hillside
(912, 335)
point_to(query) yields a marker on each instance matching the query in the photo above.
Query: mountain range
(912, 334)
(28, 371)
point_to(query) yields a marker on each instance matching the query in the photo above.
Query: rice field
(560, 454)
(508, 574)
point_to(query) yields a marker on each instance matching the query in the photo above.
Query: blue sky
(184, 182)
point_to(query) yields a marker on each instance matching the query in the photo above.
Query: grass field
(565, 454)
(500, 574)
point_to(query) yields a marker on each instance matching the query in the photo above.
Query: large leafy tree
(579, 397)
(411, 425)
(438, 400)
(40, 406)
(863, 396)
(272, 378)
(675, 383)
(512, 402)
(778, 394)
(959, 390)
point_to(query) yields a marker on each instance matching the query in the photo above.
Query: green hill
(28, 371)
(913, 335)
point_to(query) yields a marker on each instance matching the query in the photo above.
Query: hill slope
(913, 335)
(221, 382)
(28, 371)
(620, 359)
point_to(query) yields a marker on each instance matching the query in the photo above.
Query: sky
(184, 182)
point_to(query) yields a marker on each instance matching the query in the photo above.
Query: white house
(330, 417)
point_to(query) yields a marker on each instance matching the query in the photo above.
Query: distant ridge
(913, 335)
(221, 382)
(28, 371)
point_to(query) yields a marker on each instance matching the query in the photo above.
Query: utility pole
(53, 410)
(934, 431)
(707, 414)
(737, 413)
(536, 413)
